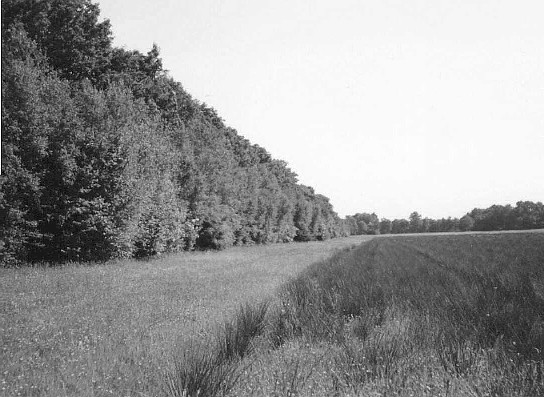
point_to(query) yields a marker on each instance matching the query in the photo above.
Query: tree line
(105, 155)
(524, 216)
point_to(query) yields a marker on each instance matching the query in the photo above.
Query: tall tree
(416, 222)
(68, 32)
(385, 226)
(466, 223)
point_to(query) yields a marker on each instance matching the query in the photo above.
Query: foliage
(104, 155)
(75, 44)
(363, 224)
(525, 215)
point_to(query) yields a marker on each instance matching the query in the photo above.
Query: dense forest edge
(105, 155)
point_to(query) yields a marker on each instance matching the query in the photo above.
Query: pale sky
(383, 106)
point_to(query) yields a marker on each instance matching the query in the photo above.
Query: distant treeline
(104, 155)
(525, 215)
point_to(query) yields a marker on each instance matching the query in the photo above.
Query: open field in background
(107, 329)
(464, 233)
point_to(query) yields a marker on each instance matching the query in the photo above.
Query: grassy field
(114, 329)
(450, 315)
(438, 315)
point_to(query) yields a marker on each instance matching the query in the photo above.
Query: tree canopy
(524, 216)
(105, 155)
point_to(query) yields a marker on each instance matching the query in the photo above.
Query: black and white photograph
(288, 198)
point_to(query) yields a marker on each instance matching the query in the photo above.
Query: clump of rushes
(202, 371)
(199, 372)
(234, 339)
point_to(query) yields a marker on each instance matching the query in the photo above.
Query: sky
(435, 106)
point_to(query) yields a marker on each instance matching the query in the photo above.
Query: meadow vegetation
(440, 315)
(106, 157)
(448, 315)
(120, 328)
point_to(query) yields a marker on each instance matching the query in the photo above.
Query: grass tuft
(234, 339)
(213, 369)
(199, 372)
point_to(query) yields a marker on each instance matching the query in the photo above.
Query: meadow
(412, 315)
(113, 329)
(443, 315)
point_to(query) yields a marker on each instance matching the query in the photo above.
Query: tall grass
(198, 372)
(236, 336)
(399, 316)
(122, 328)
(439, 315)
(212, 370)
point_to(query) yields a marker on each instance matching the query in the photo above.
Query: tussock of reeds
(213, 369)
